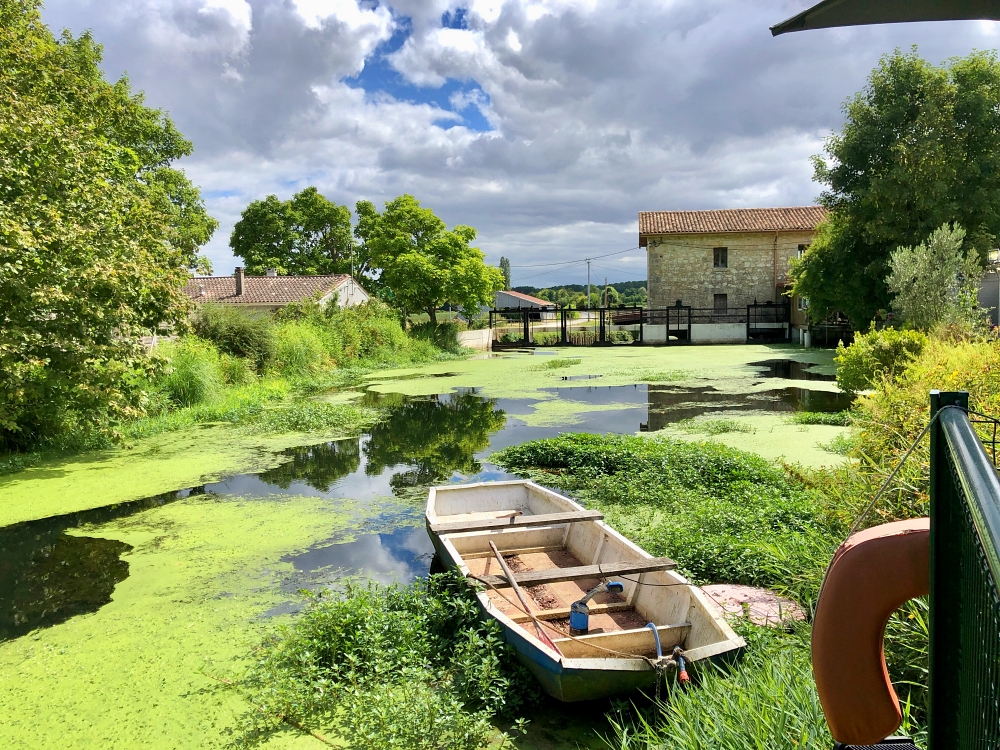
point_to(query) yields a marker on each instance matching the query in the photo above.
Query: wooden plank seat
(604, 570)
(638, 642)
(516, 522)
(563, 612)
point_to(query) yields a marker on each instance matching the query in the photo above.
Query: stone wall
(680, 267)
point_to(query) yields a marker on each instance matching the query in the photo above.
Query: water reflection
(789, 369)
(47, 576)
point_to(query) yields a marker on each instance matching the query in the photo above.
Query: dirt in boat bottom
(552, 597)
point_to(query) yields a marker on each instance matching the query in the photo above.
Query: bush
(193, 374)
(621, 337)
(724, 515)
(300, 348)
(443, 335)
(237, 332)
(876, 356)
(546, 338)
(409, 666)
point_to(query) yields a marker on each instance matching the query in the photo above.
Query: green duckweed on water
(202, 572)
(162, 463)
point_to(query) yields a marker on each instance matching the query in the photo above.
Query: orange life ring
(872, 574)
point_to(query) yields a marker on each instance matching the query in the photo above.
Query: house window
(720, 257)
(802, 250)
(803, 303)
(721, 301)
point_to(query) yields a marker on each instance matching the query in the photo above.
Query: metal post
(527, 332)
(640, 325)
(588, 283)
(945, 573)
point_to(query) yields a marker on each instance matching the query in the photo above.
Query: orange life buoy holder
(872, 574)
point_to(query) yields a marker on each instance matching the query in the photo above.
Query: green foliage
(306, 235)
(557, 363)
(936, 282)
(302, 348)
(194, 374)
(770, 701)
(423, 264)
(712, 426)
(876, 356)
(236, 370)
(96, 235)
(724, 515)
(620, 337)
(546, 338)
(920, 148)
(443, 335)
(836, 418)
(505, 270)
(406, 667)
(240, 333)
(574, 295)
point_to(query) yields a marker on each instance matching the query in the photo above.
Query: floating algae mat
(117, 623)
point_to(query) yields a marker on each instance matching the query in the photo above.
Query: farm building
(724, 260)
(272, 291)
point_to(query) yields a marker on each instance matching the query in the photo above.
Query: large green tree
(920, 148)
(307, 234)
(422, 263)
(97, 233)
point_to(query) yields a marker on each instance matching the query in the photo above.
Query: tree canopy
(423, 264)
(307, 235)
(97, 233)
(920, 148)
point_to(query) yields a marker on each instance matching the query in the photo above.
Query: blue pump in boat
(579, 612)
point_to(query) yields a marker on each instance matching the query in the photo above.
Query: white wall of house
(349, 294)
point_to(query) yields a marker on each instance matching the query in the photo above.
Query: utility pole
(605, 291)
(588, 282)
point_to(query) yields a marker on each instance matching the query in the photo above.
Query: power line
(579, 260)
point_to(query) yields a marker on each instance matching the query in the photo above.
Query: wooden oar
(524, 600)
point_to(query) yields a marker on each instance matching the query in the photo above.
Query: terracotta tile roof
(730, 220)
(528, 298)
(262, 290)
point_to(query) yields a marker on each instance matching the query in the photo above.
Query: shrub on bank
(876, 356)
(236, 332)
(400, 667)
(193, 374)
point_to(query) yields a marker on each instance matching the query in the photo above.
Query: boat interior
(559, 562)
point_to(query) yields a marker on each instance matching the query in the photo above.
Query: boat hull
(568, 680)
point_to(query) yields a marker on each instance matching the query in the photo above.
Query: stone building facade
(724, 259)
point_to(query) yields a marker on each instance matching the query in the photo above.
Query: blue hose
(656, 636)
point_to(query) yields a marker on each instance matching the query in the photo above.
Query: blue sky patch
(379, 76)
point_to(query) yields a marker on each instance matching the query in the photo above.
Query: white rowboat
(558, 551)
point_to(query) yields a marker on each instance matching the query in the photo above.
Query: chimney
(239, 280)
(272, 272)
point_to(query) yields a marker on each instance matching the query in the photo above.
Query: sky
(546, 124)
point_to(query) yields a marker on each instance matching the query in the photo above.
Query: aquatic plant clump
(723, 514)
(407, 667)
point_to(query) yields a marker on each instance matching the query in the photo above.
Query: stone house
(272, 291)
(726, 259)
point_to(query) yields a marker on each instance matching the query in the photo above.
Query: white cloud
(598, 109)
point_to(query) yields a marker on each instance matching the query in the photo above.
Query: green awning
(830, 13)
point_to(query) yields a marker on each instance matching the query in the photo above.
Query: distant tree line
(575, 295)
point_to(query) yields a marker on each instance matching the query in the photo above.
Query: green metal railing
(965, 582)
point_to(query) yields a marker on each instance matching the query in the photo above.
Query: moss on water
(771, 436)
(133, 674)
(162, 463)
(518, 375)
